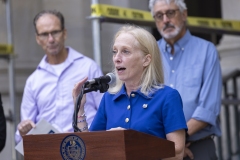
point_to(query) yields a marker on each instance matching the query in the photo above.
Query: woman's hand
(76, 90)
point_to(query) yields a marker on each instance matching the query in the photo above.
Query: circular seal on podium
(73, 148)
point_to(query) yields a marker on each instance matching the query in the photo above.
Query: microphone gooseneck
(102, 84)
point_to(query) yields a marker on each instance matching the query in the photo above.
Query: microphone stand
(102, 87)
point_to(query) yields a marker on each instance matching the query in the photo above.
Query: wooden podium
(102, 145)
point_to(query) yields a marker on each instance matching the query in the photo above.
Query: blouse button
(145, 105)
(133, 95)
(128, 107)
(127, 120)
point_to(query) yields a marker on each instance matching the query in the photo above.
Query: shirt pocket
(192, 76)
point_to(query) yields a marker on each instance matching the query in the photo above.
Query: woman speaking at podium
(139, 100)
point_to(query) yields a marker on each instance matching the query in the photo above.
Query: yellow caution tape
(6, 49)
(99, 10)
(109, 11)
(214, 23)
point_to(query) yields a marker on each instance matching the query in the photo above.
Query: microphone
(101, 83)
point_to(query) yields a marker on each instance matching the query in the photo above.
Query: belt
(204, 138)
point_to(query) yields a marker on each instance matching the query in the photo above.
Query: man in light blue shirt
(48, 90)
(191, 65)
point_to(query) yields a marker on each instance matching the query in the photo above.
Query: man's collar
(181, 42)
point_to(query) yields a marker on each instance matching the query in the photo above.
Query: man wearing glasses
(48, 90)
(191, 65)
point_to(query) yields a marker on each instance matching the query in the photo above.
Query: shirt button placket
(128, 108)
(172, 76)
(172, 71)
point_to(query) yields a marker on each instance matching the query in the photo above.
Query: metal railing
(228, 145)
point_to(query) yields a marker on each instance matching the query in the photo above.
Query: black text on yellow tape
(109, 11)
(103, 10)
(214, 23)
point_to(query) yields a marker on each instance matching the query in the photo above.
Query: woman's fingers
(77, 88)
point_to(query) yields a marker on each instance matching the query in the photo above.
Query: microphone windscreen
(112, 77)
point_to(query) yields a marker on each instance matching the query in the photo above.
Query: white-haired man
(191, 65)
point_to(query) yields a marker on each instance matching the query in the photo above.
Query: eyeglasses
(170, 14)
(54, 34)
